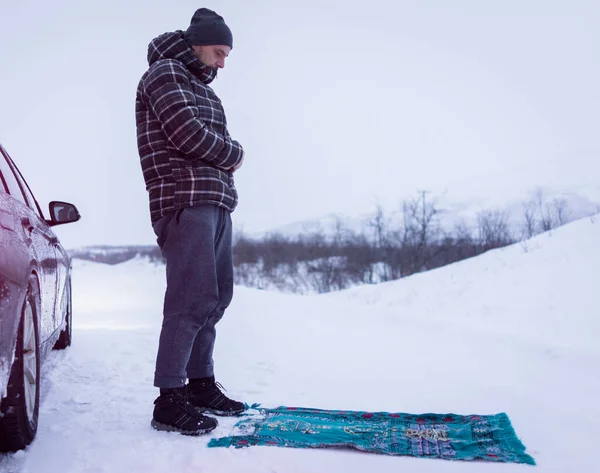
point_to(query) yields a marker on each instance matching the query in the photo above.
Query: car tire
(19, 410)
(66, 335)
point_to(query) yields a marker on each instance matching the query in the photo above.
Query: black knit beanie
(208, 28)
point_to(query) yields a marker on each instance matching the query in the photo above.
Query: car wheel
(20, 408)
(65, 337)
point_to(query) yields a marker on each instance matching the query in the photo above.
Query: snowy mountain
(514, 330)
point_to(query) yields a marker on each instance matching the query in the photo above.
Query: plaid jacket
(185, 149)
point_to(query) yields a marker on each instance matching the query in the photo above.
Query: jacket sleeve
(172, 100)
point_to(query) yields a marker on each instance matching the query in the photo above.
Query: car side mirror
(62, 212)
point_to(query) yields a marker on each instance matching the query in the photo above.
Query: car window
(32, 201)
(10, 180)
(3, 185)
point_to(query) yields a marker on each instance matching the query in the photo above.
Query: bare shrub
(417, 235)
(493, 228)
(541, 215)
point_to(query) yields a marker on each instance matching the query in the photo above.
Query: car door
(60, 262)
(41, 241)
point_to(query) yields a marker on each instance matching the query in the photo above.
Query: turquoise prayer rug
(445, 436)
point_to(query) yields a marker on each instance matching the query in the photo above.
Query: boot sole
(220, 413)
(169, 428)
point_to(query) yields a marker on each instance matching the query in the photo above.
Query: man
(188, 159)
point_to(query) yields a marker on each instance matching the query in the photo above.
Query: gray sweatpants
(196, 243)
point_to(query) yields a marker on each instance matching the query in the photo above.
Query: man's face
(212, 56)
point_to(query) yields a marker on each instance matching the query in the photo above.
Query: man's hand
(238, 165)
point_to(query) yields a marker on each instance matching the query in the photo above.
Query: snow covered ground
(515, 330)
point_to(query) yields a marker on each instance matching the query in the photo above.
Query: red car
(35, 300)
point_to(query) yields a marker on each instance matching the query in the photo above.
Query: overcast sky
(339, 104)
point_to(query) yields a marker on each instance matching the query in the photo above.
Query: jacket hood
(174, 46)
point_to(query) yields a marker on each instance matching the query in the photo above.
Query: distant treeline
(387, 247)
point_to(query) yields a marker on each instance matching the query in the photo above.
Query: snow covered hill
(515, 330)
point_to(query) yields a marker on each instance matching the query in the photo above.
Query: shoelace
(220, 388)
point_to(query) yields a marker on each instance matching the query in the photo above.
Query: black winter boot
(174, 413)
(206, 395)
